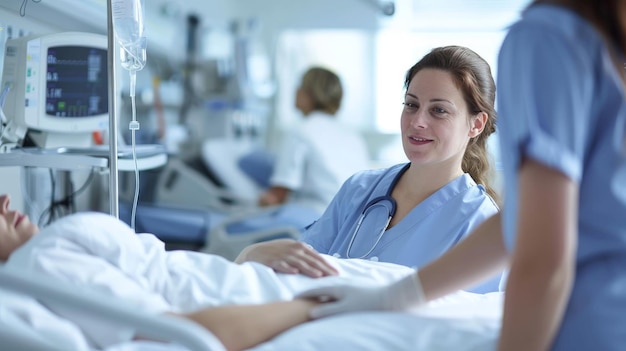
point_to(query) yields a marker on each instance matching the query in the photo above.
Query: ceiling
(166, 20)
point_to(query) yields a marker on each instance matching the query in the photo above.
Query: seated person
(102, 253)
(321, 153)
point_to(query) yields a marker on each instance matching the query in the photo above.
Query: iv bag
(129, 31)
(128, 21)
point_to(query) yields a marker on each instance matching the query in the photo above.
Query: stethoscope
(386, 201)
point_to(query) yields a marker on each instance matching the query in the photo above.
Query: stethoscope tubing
(373, 202)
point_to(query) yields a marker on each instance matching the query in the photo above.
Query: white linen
(24, 317)
(460, 322)
(110, 257)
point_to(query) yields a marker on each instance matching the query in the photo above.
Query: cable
(68, 201)
(23, 7)
(53, 187)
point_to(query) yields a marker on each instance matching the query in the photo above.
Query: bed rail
(165, 327)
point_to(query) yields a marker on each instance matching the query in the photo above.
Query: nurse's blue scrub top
(426, 232)
(561, 103)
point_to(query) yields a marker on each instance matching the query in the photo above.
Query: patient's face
(15, 228)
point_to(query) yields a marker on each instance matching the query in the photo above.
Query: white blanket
(98, 251)
(459, 322)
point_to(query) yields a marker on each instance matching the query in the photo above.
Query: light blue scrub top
(562, 103)
(429, 230)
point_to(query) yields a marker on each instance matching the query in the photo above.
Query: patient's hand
(288, 256)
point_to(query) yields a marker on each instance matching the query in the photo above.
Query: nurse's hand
(404, 294)
(288, 256)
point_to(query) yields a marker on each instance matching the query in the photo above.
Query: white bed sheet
(22, 317)
(459, 322)
(189, 280)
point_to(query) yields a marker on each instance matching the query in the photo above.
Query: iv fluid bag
(133, 57)
(129, 31)
(128, 20)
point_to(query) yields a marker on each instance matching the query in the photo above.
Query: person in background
(317, 156)
(411, 213)
(562, 231)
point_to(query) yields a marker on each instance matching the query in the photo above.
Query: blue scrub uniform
(429, 230)
(562, 103)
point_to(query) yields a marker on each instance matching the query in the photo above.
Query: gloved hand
(405, 293)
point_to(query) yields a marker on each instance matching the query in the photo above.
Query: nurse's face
(436, 125)
(15, 229)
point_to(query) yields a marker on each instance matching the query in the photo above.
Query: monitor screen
(76, 81)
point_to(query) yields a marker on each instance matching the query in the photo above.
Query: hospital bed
(211, 179)
(460, 322)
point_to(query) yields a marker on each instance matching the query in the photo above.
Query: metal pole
(113, 176)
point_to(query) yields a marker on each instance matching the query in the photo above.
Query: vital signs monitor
(56, 88)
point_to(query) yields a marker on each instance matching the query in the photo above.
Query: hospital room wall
(349, 16)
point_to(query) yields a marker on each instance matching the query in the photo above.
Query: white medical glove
(403, 294)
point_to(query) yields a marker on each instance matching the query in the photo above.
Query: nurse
(411, 213)
(562, 98)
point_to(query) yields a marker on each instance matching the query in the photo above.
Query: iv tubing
(133, 126)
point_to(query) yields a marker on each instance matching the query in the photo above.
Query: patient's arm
(288, 256)
(240, 327)
(275, 195)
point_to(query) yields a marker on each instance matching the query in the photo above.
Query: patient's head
(15, 228)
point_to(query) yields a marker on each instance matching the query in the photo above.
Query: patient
(241, 304)
(126, 265)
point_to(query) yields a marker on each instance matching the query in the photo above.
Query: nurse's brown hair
(473, 77)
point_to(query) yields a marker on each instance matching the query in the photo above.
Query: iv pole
(113, 174)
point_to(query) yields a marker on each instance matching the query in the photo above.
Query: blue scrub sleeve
(543, 100)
